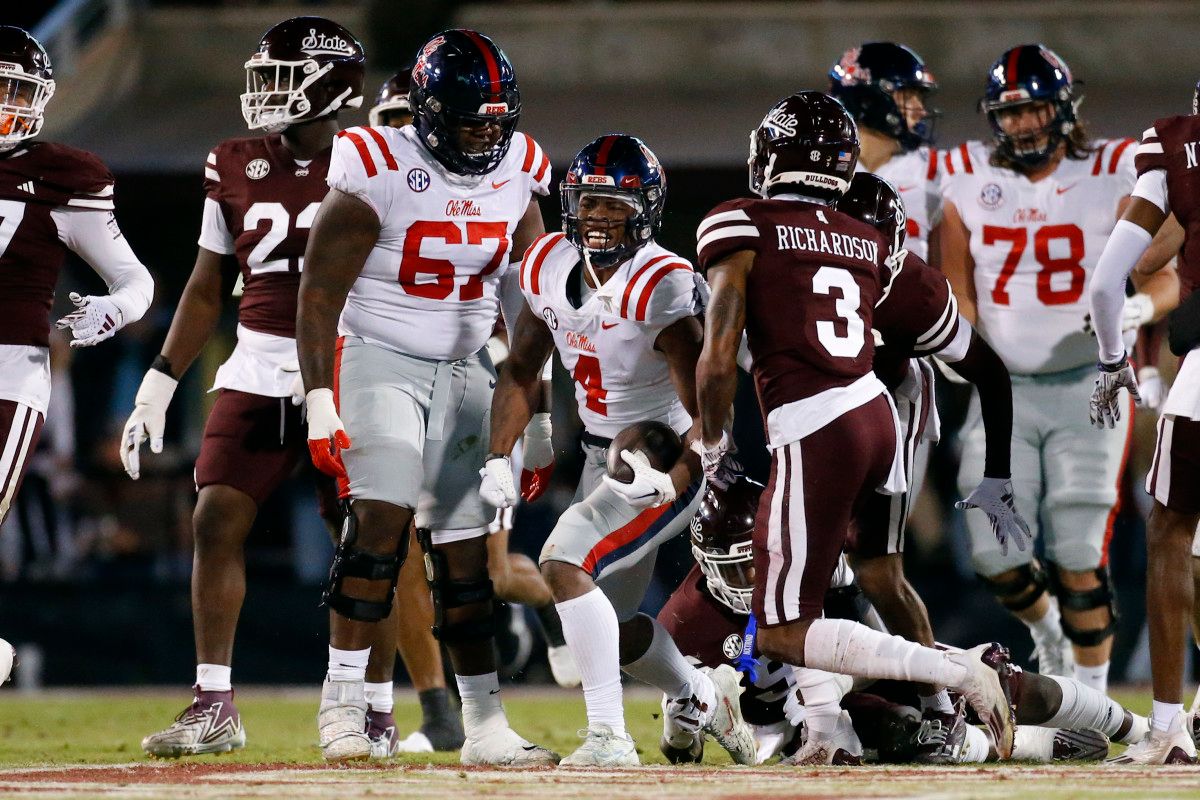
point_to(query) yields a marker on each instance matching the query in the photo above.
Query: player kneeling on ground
(623, 314)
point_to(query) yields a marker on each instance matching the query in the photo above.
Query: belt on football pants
(594, 440)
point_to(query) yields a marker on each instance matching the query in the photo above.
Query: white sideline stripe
(16, 448)
(774, 539)
(798, 533)
(1162, 486)
(941, 326)
(725, 233)
(736, 215)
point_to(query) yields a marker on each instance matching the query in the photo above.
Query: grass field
(77, 744)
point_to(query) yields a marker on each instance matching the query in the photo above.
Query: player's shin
(589, 624)
(1080, 707)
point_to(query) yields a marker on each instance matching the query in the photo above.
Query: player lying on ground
(623, 314)
(708, 615)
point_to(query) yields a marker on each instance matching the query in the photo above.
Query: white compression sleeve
(1125, 246)
(1153, 187)
(97, 239)
(849, 648)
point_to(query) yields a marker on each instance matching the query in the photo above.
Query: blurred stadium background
(94, 567)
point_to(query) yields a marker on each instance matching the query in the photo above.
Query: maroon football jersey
(918, 317)
(269, 203)
(1173, 145)
(35, 180)
(809, 297)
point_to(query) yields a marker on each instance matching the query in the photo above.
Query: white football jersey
(430, 285)
(607, 344)
(914, 174)
(1035, 247)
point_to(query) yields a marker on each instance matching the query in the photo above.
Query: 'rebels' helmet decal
(26, 86)
(619, 166)
(461, 79)
(807, 143)
(305, 68)
(392, 98)
(865, 80)
(1031, 73)
(876, 202)
(722, 535)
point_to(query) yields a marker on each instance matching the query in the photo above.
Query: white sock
(848, 648)
(1084, 708)
(348, 665)
(1095, 677)
(1033, 743)
(1048, 629)
(822, 694)
(379, 696)
(664, 667)
(213, 677)
(481, 709)
(1166, 717)
(589, 624)
(976, 748)
(939, 702)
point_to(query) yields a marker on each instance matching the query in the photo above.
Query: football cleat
(841, 748)
(1084, 745)
(342, 722)
(1055, 657)
(986, 690)
(381, 730)
(211, 724)
(724, 722)
(441, 734)
(1160, 747)
(680, 746)
(603, 748)
(941, 737)
(504, 747)
(563, 667)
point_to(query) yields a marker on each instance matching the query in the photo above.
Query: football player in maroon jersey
(1168, 183)
(53, 199)
(261, 195)
(802, 280)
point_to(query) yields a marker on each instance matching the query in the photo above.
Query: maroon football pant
(817, 485)
(20, 428)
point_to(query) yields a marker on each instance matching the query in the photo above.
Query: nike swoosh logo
(609, 325)
(496, 185)
(529, 748)
(1064, 189)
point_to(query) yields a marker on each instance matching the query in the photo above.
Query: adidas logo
(27, 186)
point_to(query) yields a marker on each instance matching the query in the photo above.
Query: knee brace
(448, 593)
(1023, 590)
(351, 562)
(1085, 600)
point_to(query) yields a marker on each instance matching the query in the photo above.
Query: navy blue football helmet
(617, 166)
(866, 79)
(461, 79)
(1031, 73)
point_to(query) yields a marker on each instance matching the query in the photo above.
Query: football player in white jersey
(411, 249)
(623, 314)
(1025, 220)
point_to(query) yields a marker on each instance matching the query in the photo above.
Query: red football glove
(326, 434)
(537, 458)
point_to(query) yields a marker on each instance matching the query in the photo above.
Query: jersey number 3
(850, 343)
(1071, 264)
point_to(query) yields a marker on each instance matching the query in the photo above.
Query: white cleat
(604, 749)
(724, 722)
(342, 721)
(211, 724)
(984, 690)
(415, 742)
(563, 667)
(1158, 747)
(1055, 658)
(841, 748)
(505, 748)
(680, 745)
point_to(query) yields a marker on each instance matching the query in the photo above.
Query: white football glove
(292, 368)
(497, 486)
(327, 436)
(537, 457)
(95, 318)
(994, 497)
(649, 488)
(148, 420)
(1104, 408)
(711, 455)
(1150, 387)
(1137, 311)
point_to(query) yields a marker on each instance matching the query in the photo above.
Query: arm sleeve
(512, 299)
(1152, 187)
(97, 239)
(981, 366)
(727, 229)
(354, 169)
(1125, 246)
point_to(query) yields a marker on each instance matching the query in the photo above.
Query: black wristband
(161, 364)
(1117, 367)
(490, 456)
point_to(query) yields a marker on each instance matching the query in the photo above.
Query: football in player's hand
(661, 445)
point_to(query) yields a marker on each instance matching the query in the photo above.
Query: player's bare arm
(529, 228)
(519, 392)
(954, 253)
(681, 343)
(725, 319)
(983, 367)
(196, 315)
(343, 233)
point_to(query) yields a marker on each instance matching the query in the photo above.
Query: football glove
(327, 435)
(649, 488)
(1150, 387)
(994, 497)
(1137, 311)
(537, 458)
(1104, 408)
(148, 420)
(497, 486)
(95, 318)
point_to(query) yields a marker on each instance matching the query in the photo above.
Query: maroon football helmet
(722, 541)
(876, 202)
(808, 144)
(392, 100)
(25, 86)
(305, 68)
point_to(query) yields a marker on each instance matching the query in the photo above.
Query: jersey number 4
(1070, 265)
(415, 268)
(587, 374)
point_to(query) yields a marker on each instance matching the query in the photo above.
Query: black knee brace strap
(1020, 592)
(448, 593)
(351, 562)
(1086, 600)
